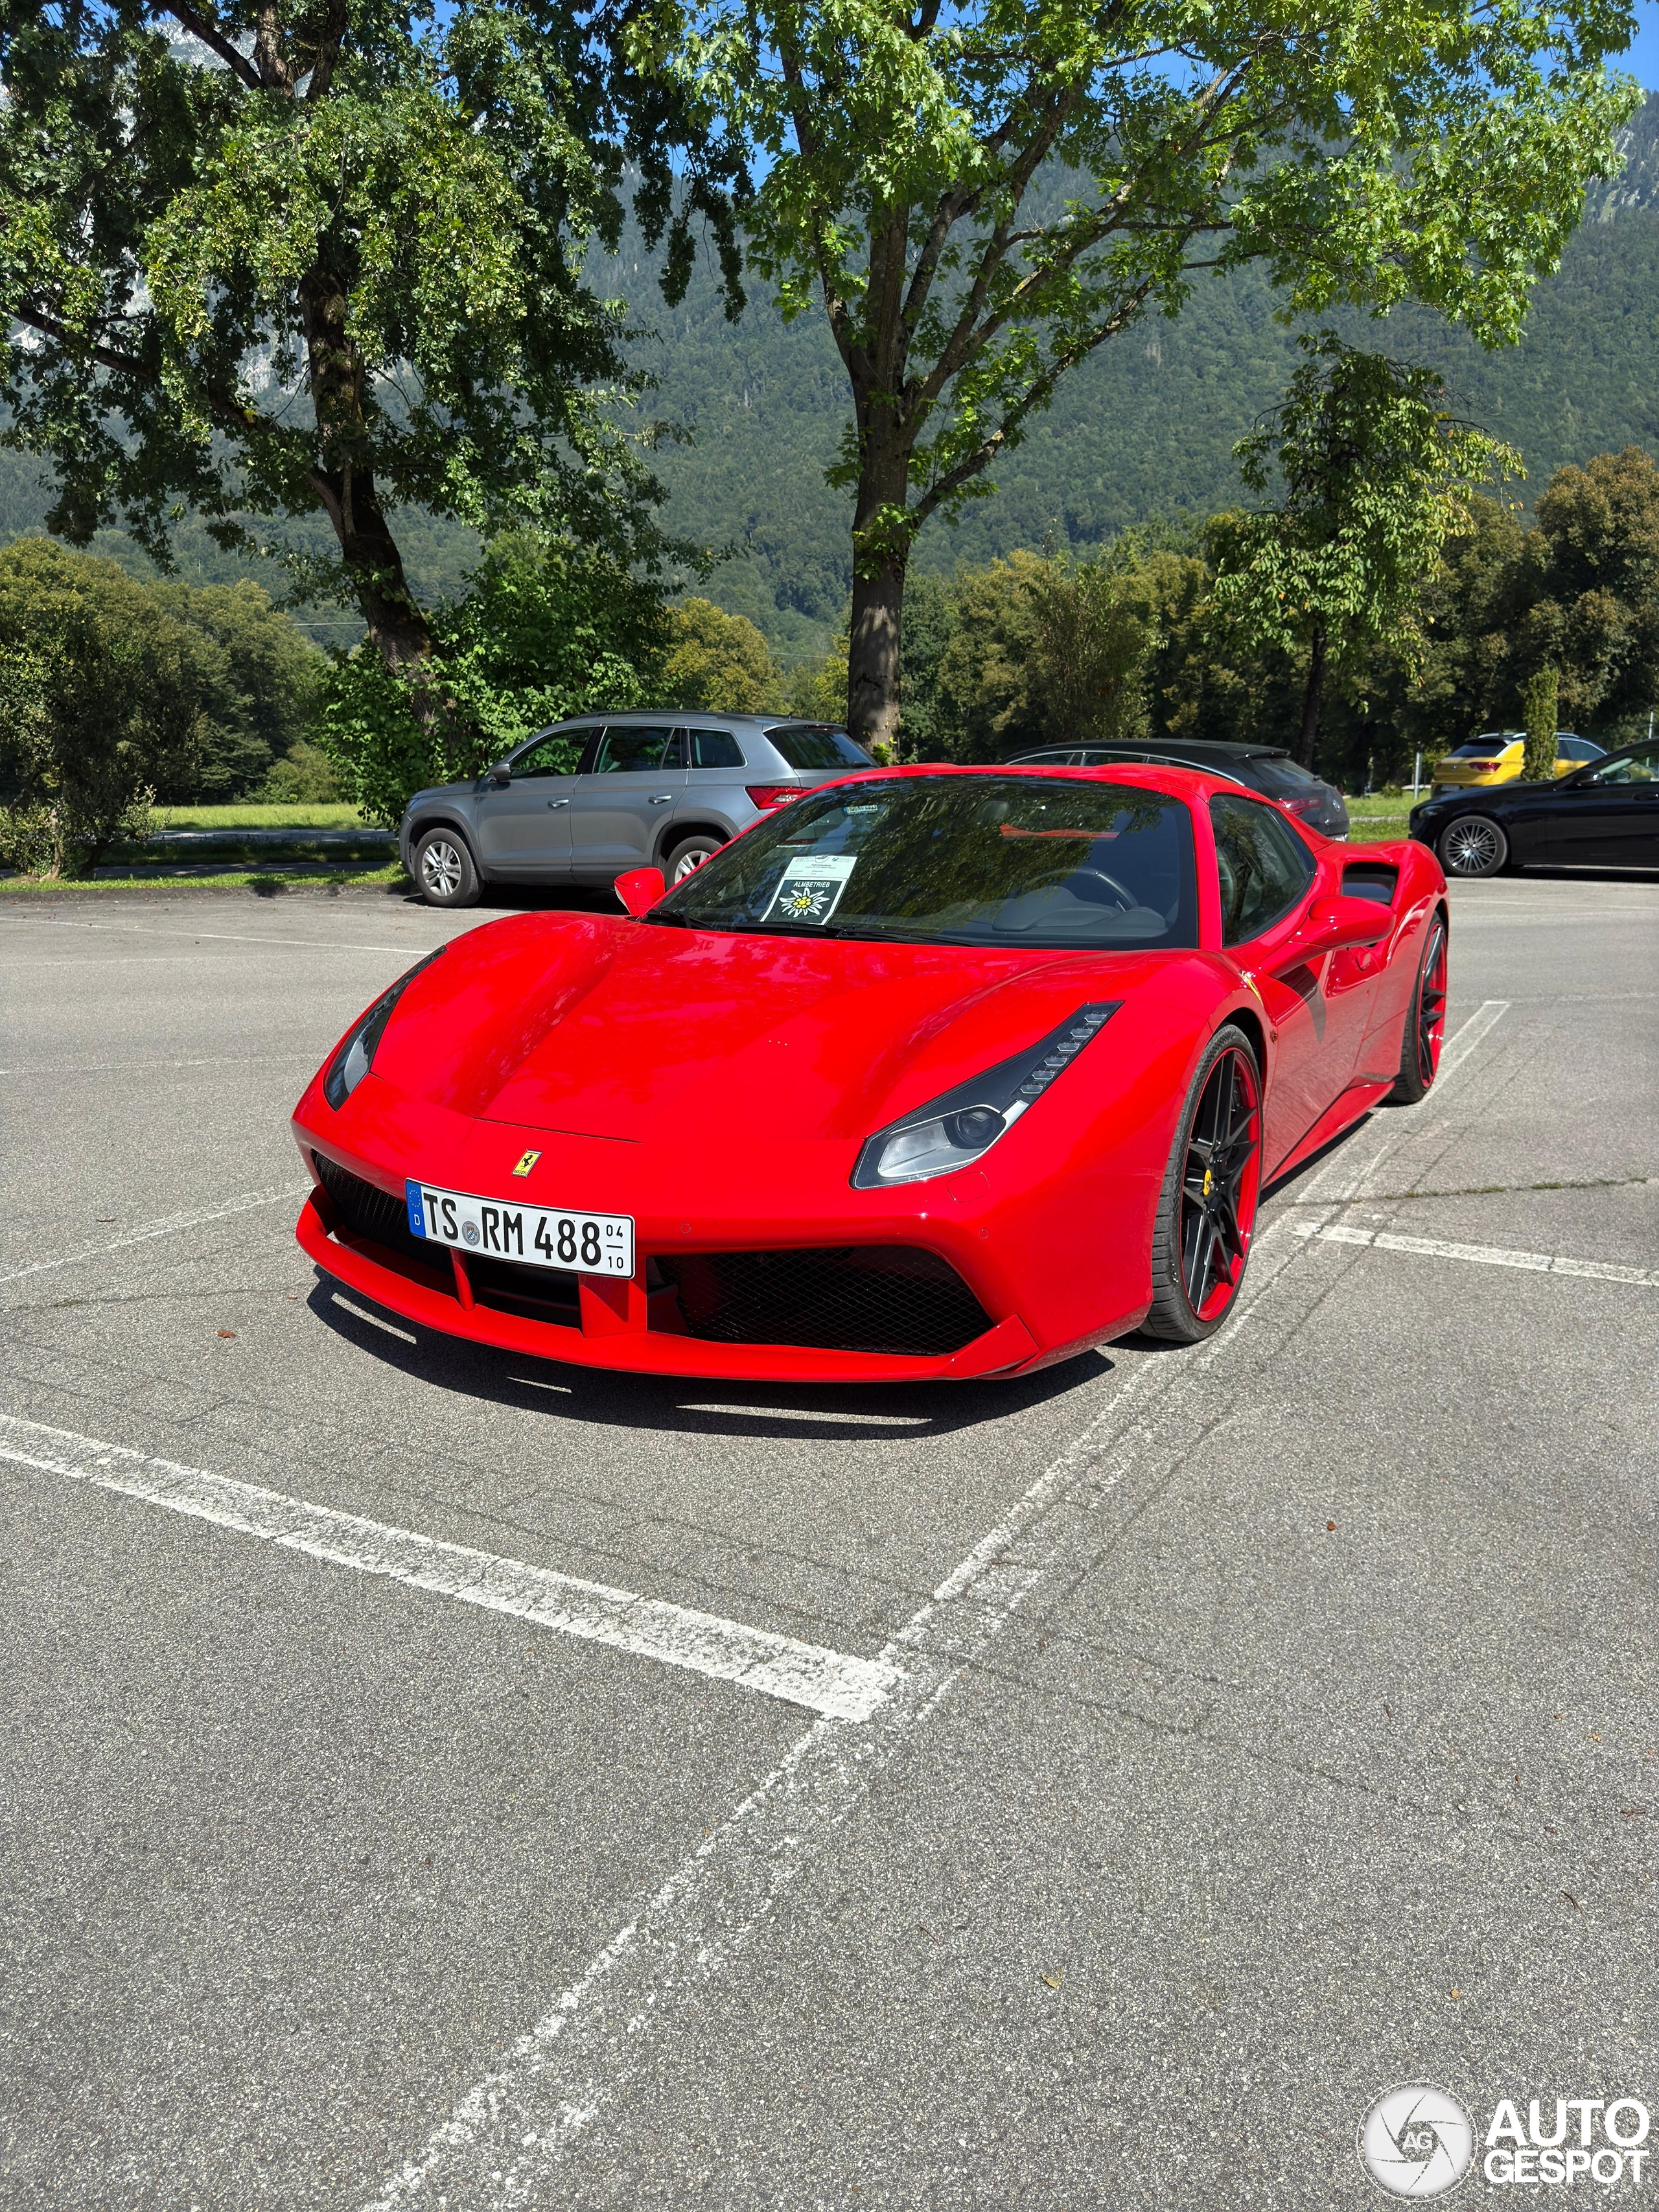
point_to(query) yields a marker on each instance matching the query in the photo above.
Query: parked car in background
(649, 790)
(1498, 757)
(1268, 769)
(1603, 814)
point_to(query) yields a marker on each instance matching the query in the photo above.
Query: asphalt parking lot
(1253, 1728)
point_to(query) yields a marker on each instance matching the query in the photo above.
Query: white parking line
(1483, 1255)
(500, 2144)
(246, 1203)
(832, 1683)
(1408, 1120)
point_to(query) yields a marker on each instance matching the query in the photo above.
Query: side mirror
(1337, 923)
(501, 775)
(639, 888)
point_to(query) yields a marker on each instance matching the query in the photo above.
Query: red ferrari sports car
(933, 1073)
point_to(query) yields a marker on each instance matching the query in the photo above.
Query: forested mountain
(1143, 430)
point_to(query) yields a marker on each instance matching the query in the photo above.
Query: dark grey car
(646, 790)
(1266, 769)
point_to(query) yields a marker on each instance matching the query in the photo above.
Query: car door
(629, 784)
(1608, 818)
(524, 826)
(1267, 876)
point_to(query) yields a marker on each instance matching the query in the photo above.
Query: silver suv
(663, 790)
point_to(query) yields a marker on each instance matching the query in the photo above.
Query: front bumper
(623, 1326)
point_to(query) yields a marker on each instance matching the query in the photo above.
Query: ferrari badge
(528, 1162)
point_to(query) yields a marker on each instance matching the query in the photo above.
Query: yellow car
(1495, 758)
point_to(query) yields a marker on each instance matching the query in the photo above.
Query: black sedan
(1605, 815)
(1266, 769)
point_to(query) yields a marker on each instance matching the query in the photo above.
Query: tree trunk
(344, 480)
(873, 666)
(1311, 696)
(881, 553)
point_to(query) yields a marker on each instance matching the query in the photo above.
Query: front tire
(1473, 845)
(1426, 1022)
(444, 870)
(1206, 1210)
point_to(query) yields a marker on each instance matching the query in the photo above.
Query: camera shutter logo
(1416, 2141)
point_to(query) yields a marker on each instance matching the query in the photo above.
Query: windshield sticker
(810, 890)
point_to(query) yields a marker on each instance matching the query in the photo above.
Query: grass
(270, 880)
(341, 817)
(1372, 821)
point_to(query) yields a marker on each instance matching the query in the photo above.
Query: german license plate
(532, 1236)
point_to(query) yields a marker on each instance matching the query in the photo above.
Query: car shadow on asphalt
(686, 1405)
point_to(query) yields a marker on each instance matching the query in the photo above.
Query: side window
(631, 749)
(557, 755)
(675, 757)
(1635, 768)
(1263, 865)
(715, 749)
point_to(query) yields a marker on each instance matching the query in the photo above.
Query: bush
(305, 776)
(548, 630)
(101, 699)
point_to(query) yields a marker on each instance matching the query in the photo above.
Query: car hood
(633, 1031)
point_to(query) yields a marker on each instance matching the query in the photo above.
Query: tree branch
(985, 452)
(214, 39)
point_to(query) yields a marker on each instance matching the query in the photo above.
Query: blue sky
(1642, 60)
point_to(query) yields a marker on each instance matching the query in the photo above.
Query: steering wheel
(1126, 899)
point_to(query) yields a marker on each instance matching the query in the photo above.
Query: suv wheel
(444, 870)
(688, 855)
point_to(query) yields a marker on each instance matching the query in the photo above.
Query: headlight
(956, 1130)
(356, 1054)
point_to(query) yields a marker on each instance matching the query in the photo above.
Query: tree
(1089, 648)
(262, 677)
(103, 697)
(547, 630)
(1375, 475)
(270, 259)
(980, 196)
(1538, 763)
(718, 663)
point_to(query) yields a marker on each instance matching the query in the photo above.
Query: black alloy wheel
(1426, 1023)
(1206, 1212)
(1473, 845)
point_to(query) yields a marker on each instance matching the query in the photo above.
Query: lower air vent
(366, 1210)
(532, 1293)
(873, 1297)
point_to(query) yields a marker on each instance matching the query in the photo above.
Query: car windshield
(959, 860)
(819, 745)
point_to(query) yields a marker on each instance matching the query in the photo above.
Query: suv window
(1263, 866)
(1635, 768)
(1283, 779)
(1577, 749)
(819, 744)
(715, 749)
(557, 755)
(631, 749)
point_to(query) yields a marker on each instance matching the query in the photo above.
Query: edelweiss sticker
(810, 890)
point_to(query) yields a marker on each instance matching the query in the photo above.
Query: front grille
(852, 1298)
(366, 1210)
(532, 1293)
